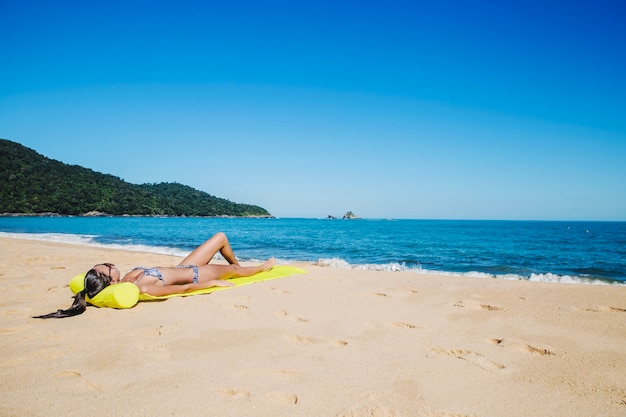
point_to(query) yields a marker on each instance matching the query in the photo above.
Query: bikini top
(153, 272)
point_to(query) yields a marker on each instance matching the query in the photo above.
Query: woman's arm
(157, 290)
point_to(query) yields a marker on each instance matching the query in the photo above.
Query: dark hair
(94, 283)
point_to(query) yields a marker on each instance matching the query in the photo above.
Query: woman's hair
(94, 283)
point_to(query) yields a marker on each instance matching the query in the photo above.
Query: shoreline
(156, 216)
(332, 342)
(337, 263)
(271, 216)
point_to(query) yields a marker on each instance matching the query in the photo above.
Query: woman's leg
(213, 272)
(203, 254)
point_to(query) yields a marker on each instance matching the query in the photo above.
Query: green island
(32, 184)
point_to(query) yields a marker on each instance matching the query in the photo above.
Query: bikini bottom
(195, 271)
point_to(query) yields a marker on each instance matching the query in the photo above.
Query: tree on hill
(30, 183)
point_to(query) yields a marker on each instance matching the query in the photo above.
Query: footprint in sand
(294, 338)
(284, 314)
(523, 346)
(274, 397)
(153, 331)
(238, 309)
(157, 351)
(491, 307)
(279, 291)
(380, 294)
(374, 411)
(404, 325)
(234, 393)
(75, 374)
(472, 357)
(541, 351)
(604, 309)
(478, 306)
(280, 398)
(69, 374)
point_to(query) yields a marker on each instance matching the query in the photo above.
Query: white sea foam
(89, 240)
(52, 237)
(399, 267)
(340, 263)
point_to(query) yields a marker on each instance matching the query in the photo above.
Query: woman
(193, 273)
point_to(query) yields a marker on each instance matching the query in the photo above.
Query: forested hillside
(31, 184)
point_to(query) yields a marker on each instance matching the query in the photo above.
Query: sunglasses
(108, 265)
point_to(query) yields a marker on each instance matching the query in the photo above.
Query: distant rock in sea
(350, 215)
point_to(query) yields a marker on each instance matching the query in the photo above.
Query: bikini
(154, 272)
(195, 271)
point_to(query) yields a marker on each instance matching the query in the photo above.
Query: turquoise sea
(563, 251)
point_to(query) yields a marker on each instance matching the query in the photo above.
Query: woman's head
(96, 279)
(107, 270)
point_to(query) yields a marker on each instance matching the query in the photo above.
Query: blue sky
(390, 109)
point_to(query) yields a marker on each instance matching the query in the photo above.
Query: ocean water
(568, 252)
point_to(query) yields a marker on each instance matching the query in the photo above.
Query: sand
(333, 342)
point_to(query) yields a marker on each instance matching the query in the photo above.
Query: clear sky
(390, 109)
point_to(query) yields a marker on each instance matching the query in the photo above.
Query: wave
(90, 240)
(402, 267)
(52, 237)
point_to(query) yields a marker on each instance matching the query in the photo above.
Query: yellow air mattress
(126, 295)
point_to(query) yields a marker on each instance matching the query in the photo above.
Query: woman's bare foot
(222, 283)
(269, 264)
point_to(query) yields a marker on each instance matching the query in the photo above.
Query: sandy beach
(332, 342)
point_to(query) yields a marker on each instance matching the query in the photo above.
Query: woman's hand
(218, 283)
(158, 290)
